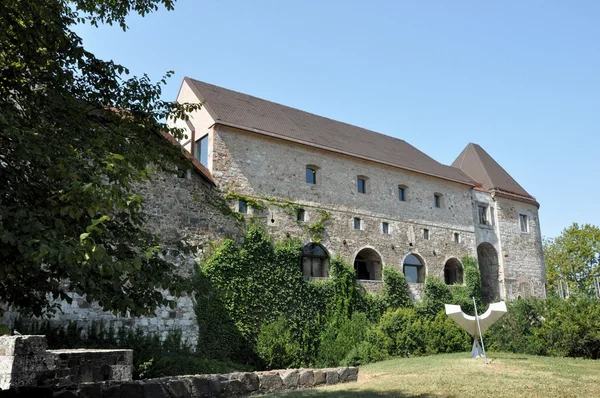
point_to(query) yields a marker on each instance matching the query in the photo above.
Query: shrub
(276, 347)
(436, 294)
(443, 335)
(463, 295)
(340, 337)
(395, 289)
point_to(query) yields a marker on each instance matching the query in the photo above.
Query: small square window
(301, 215)
(482, 213)
(311, 175)
(524, 221)
(362, 185)
(357, 223)
(385, 227)
(437, 200)
(426, 234)
(456, 237)
(243, 206)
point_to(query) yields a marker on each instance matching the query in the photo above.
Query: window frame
(357, 221)
(242, 206)
(402, 193)
(364, 184)
(524, 223)
(301, 215)
(482, 210)
(456, 237)
(437, 200)
(314, 169)
(198, 150)
(426, 234)
(385, 227)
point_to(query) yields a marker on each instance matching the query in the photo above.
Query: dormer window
(311, 174)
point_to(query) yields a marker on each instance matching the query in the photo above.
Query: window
(456, 237)
(413, 269)
(482, 212)
(315, 261)
(301, 215)
(357, 223)
(243, 206)
(437, 200)
(311, 174)
(523, 220)
(401, 193)
(202, 150)
(385, 227)
(361, 183)
(426, 234)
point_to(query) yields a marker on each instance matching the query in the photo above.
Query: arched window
(315, 261)
(413, 269)
(367, 265)
(453, 272)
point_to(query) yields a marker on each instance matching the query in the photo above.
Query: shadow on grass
(350, 394)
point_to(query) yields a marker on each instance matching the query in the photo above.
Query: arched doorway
(413, 269)
(453, 272)
(315, 261)
(367, 265)
(487, 257)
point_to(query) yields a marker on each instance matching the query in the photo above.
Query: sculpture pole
(480, 334)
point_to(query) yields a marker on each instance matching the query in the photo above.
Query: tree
(574, 257)
(77, 135)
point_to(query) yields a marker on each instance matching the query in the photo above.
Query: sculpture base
(476, 351)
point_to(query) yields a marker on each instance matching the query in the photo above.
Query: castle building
(371, 199)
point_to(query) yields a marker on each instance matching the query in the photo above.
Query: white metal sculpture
(476, 325)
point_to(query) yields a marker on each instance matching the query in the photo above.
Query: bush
(463, 295)
(395, 289)
(436, 294)
(276, 347)
(443, 335)
(340, 337)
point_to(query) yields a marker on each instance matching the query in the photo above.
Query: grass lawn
(457, 375)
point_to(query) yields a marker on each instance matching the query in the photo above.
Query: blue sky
(520, 78)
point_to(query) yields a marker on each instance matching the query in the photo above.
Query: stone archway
(315, 261)
(367, 265)
(487, 256)
(453, 272)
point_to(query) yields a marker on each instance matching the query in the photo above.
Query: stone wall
(25, 361)
(227, 385)
(179, 209)
(256, 166)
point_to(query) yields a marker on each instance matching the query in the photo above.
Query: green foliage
(436, 294)
(346, 292)
(317, 228)
(443, 335)
(463, 294)
(573, 257)
(395, 289)
(151, 357)
(549, 327)
(276, 345)
(340, 337)
(77, 136)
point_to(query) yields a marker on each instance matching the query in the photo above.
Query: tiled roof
(250, 113)
(481, 167)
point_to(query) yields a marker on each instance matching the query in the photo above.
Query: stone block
(200, 386)
(180, 388)
(131, 390)
(232, 388)
(90, 390)
(320, 377)
(249, 380)
(332, 376)
(22, 345)
(306, 378)
(348, 374)
(270, 382)
(290, 378)
(154, 390)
